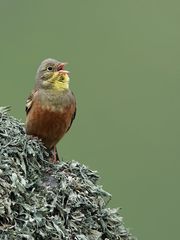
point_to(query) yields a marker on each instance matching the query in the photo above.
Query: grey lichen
(41, 200)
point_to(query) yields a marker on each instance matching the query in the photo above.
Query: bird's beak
(61, 68)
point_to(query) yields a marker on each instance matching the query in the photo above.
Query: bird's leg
(55, 157)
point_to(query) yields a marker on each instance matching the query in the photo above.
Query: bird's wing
(74, 113)
(72, 119)
(29, 101)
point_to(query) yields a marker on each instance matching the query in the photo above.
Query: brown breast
(49, 124)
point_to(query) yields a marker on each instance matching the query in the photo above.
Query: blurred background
(124, 59)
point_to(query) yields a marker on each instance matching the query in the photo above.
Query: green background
(124, 58)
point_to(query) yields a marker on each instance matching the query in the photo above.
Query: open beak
(60, 68)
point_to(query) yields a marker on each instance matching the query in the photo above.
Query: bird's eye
(49, 68)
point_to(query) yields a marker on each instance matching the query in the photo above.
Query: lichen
(42, 200)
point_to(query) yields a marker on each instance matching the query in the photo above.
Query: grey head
(47, 68)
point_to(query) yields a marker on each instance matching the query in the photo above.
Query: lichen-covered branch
(41, 200)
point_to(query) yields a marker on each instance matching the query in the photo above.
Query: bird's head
(51, 75)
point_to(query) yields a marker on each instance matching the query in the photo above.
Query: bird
(51, 106)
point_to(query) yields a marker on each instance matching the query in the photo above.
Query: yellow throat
(59, 81)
